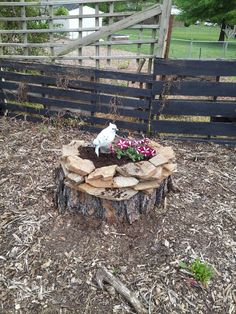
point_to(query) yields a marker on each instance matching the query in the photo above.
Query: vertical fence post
(164, 24)
(3, 100)
(190, 49)
(110, 22)
(80, 33)
(151, 99)
(24, 27)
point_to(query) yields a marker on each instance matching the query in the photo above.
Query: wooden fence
(34, 31)
(180, 99)
(195, 98)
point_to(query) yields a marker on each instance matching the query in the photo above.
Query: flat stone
(87, 188)
(148, 191)
(124, 182)
(118, 194)
(171, 167)
(166, 151)
(147, 185)
(148, 170)
(165, 173)
(157, 175)
(141, 170)
(100, 183)
(76, 178)
(72, 148)
(158, 160)
(78, 165)
(106, 173)
(63, 165)
(155, 145)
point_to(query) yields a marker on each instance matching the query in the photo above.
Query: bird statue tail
(97, 150)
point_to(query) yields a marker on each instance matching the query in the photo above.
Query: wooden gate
(41, 31)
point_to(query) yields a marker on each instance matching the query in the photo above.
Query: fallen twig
(104, 275)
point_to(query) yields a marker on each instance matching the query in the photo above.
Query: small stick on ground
(103, 275)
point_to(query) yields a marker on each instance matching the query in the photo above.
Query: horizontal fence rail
(88, 97)
(190, 100)
(45, 30)
(180, 99)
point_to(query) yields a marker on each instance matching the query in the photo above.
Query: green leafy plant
(115, 270)
(130, 152)
(201, 271)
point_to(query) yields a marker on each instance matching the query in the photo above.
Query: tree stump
(67, 197)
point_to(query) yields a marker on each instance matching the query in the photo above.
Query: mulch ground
(48, 262)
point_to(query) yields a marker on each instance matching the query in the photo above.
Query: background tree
(222, 12)
(37, 24)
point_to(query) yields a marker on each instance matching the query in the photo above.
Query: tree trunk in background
(222, 31)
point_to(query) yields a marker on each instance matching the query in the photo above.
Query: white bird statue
(105, 138)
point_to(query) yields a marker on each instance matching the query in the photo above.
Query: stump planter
(108, 188)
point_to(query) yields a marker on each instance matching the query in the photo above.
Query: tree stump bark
(68, 198)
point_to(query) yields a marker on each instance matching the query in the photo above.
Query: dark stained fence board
(195, 108)
(76, 84)
(73, 71)
(60, 106)
(198, 128)
(194, 67)
(196, 88)
(99, 99)
(222, 141)
(73, 94)
(120, 124)
(85, 118)
(70, 93)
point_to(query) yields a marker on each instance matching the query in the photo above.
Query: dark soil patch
(103, 159)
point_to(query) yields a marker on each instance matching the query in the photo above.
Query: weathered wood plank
(45, 3)
(198, 128)
(164, 22)
(195, 108)
(64, 17)
(195, 88)
(108, 30)
(47, 58)
(195, 67)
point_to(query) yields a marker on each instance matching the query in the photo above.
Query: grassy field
(188, 42)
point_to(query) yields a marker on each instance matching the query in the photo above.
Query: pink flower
(147, 151)
(122, 144)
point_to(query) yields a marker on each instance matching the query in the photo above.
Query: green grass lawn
(181, 46)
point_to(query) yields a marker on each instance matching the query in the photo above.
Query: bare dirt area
(48, 262)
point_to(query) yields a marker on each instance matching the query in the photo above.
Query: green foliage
(212, 10)
(115, 271)
(201, 271)
(216, 11)
(61, 11)
(38, 24)
(130, 152)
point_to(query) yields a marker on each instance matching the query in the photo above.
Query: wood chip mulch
(48, 262)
